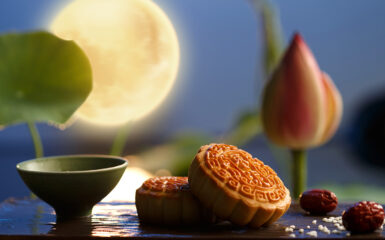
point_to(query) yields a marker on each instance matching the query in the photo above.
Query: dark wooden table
(33, 219)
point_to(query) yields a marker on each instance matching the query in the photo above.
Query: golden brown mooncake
(237, 187)
(169, 201)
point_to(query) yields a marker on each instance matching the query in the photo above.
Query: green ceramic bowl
(73, 184)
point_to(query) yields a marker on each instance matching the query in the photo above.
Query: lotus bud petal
(301, 107)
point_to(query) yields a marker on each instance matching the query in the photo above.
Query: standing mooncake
(237, 187)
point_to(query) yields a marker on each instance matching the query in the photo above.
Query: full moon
(134, 54)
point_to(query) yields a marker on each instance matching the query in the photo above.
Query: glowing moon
(134, 53)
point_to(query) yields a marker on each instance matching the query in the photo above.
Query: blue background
(221, 69)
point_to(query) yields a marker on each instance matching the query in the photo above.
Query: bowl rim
(123, 164)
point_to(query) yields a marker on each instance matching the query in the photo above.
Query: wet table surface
(33, 219)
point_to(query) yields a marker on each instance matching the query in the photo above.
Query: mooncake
(169, 201)
(237, 187)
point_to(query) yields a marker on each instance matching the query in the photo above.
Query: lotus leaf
(42, 78)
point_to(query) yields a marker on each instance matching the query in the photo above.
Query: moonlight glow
(134, 53)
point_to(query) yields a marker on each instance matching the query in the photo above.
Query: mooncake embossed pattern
(168, 201)
(244, 174)
(165, 184)
(237, 187)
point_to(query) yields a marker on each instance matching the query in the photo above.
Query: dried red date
(363, 217)
(318, 201)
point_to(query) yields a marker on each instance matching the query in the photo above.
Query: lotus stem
(120, 140)
(36, 140)
(299, 174)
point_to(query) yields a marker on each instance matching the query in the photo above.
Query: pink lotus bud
(301, 107)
